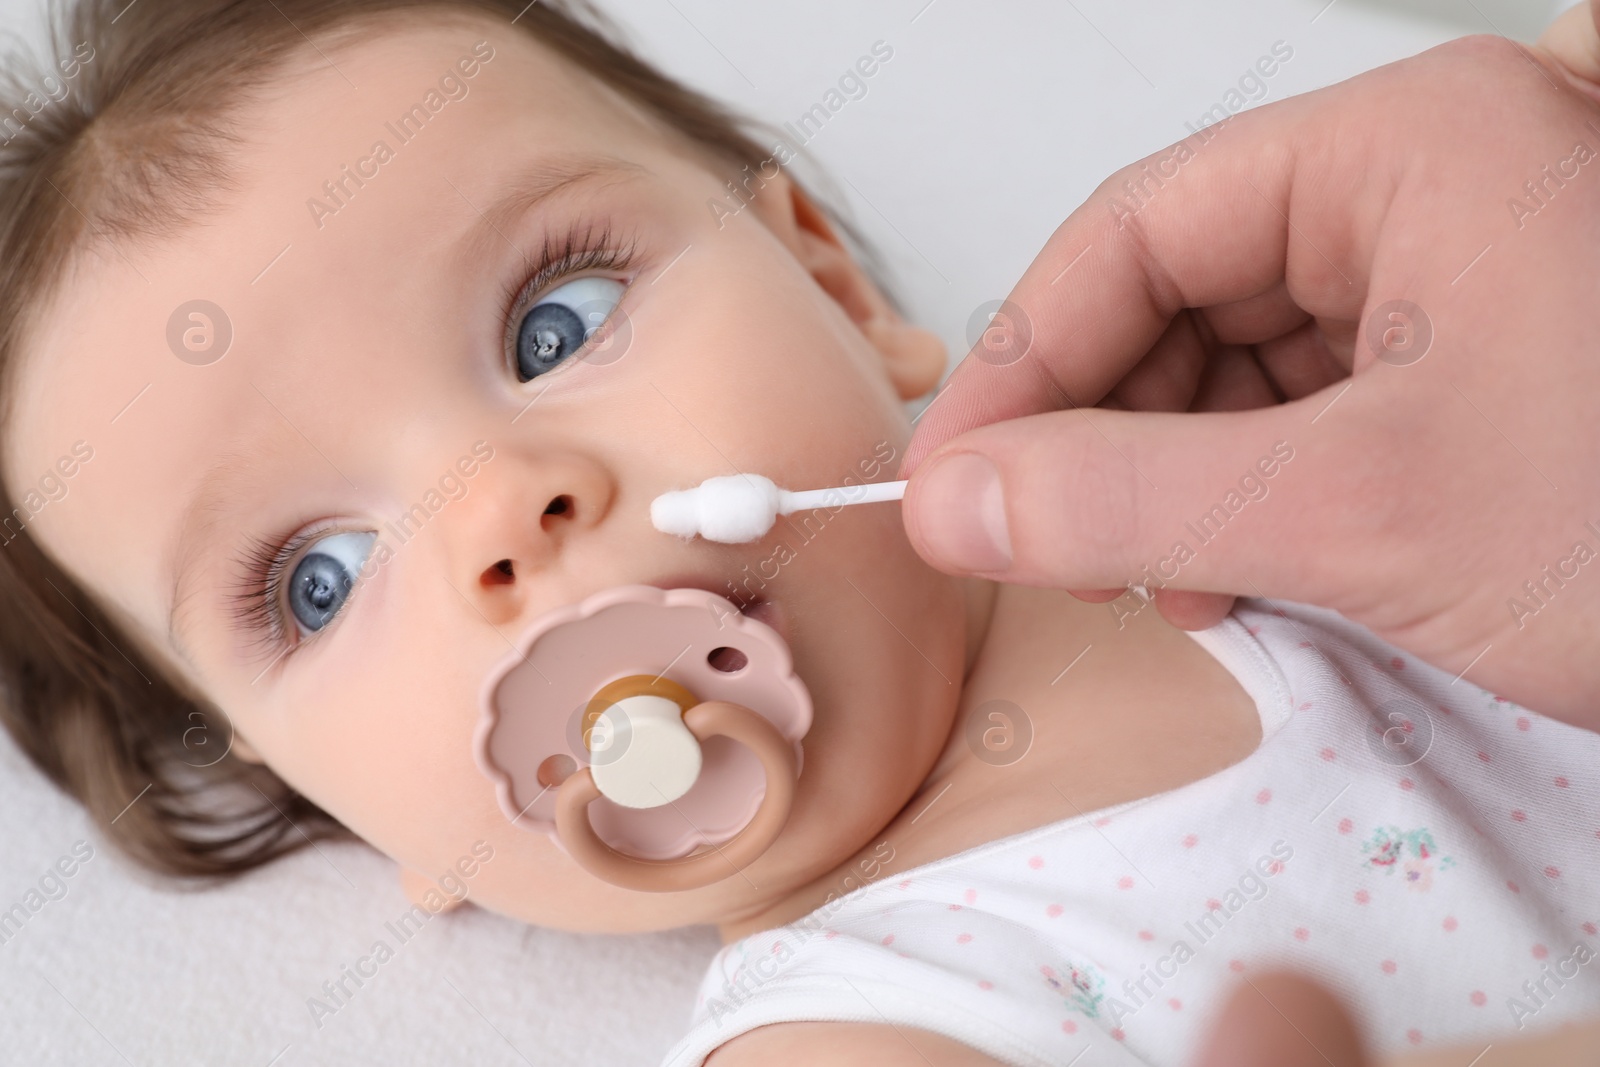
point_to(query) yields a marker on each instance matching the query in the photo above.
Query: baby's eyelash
(579, 249)
(255, 602)
(257, 598)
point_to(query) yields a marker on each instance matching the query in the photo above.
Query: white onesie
(1425, 848)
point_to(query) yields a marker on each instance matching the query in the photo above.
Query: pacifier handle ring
(709, 719)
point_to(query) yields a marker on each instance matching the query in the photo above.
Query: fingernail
(963, 514)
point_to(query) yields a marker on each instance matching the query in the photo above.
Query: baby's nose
(518, 517)
(504, 571)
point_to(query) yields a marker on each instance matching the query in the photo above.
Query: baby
(304, 427)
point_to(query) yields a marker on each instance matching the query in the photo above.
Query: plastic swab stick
(736, 508)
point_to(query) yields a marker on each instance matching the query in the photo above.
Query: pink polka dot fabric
(1427, 849)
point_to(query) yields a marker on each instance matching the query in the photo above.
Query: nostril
(561, 505)
(502, 573)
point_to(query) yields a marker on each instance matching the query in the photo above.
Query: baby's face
(370, 371)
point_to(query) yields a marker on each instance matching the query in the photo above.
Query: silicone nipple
(617, 727)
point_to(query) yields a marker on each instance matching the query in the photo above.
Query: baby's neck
(1117, 707)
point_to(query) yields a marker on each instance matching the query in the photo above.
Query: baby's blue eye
(559, 324)
(323, 578)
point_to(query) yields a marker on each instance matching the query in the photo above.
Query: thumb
(1574, 39)
(1283, 1020)
(1090, 498)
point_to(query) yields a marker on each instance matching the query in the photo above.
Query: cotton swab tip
(733, 509)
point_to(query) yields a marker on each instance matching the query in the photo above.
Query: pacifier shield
(537, 712)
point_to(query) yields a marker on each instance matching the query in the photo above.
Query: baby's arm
(826, 1044)
(872, 1044)
(814, 1044)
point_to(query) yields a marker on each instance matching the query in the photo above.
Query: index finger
(1203, 222)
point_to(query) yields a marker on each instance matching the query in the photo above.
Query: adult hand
(1353, 337)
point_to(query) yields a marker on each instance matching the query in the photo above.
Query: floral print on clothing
(1083, 987)
(1412, 852)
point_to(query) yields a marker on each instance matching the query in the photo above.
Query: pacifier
(653, 733)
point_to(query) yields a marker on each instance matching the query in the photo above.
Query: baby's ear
(914, 357)
(416, 888)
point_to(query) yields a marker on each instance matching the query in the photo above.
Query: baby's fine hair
(130, 134)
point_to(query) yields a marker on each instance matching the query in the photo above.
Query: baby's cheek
(385, 749)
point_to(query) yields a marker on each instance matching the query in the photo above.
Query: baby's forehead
(438, 75)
